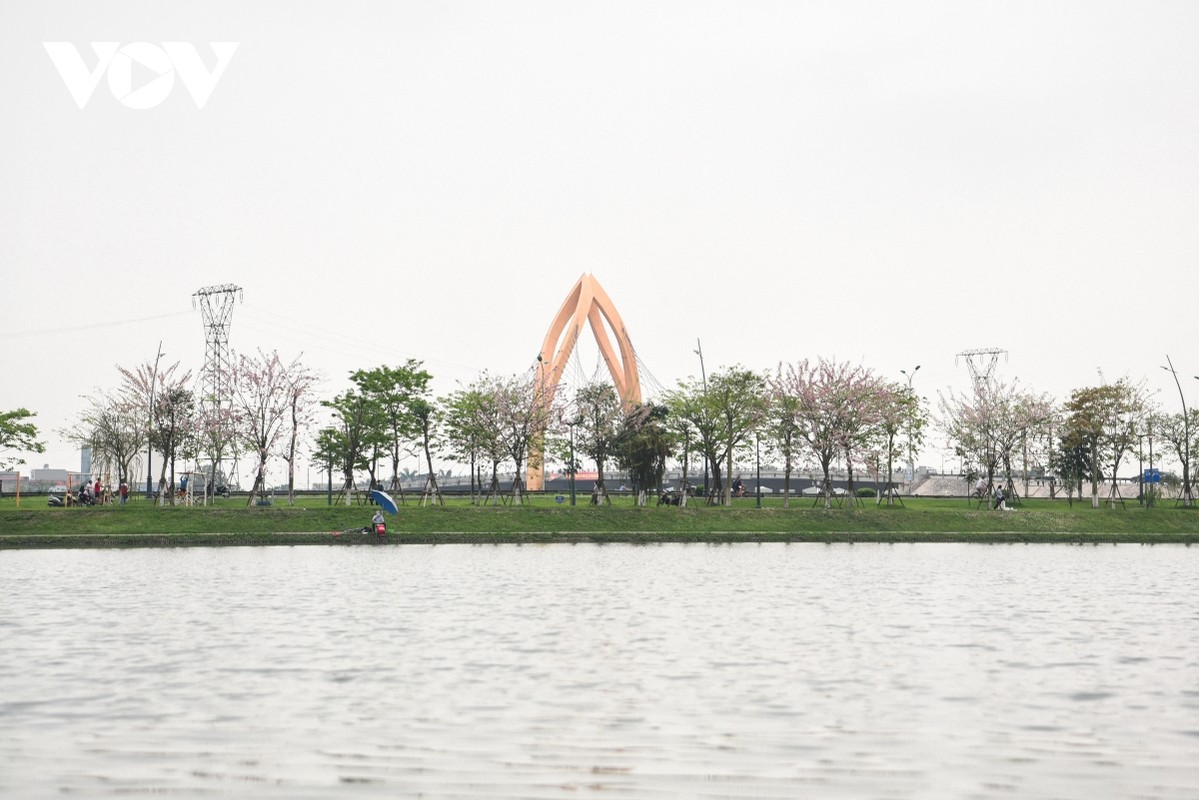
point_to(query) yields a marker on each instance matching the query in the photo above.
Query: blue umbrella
(385, 502)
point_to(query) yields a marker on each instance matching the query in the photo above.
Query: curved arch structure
(586, 303)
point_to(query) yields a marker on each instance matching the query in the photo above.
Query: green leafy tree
(696, 423)
(343, 444)
(724, 417)
(641, 446)
(426, 417)
(394, 392)
(470, 430)
(899, 411)
(17, 434)
(1071, 461)
(1106, 420)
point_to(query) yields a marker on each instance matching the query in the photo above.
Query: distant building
(48, 475)
(85, 460)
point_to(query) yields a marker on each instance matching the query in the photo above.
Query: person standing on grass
(124, 490)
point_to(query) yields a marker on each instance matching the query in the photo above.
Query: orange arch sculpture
(587, 303)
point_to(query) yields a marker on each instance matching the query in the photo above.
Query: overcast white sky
(884, 182)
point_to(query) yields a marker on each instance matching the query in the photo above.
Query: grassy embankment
(311, 521)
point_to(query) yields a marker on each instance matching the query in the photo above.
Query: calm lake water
(667, 671)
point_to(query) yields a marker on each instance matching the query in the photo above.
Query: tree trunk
(683, 487)
(472, 479)
(849, 490)
(890, 496)
(599, 492)
(716, 493)
(787, 480)
(518, 485)
(291, 456)
(432, 490)
(162, 484)
(827, 489)
(259, 478)
(728, 461)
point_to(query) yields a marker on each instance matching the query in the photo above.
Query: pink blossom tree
(781, 423)
(523, 412)
(302, 405)
(836, 409)
(115, 434)
(261, 388)
(987, 424)
(471, 431)
(140, 393)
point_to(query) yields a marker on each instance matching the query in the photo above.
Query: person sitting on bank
(376, 521)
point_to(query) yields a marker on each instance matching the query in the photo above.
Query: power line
(323, 339)
(93, 326)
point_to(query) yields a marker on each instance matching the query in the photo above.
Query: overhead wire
(91, 326)
(339, 343)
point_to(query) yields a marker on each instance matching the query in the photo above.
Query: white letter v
(80, 83)
(198, 80)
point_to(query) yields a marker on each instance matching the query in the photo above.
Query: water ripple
(763, 671)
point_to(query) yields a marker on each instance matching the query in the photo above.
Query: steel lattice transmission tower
(216, 307)
(981, 362)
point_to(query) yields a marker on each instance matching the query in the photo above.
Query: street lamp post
(911, 445)
(699, 351)
(1140, 469)
(150, 423)
(758, 467)
(1186, 438)
(571, 466)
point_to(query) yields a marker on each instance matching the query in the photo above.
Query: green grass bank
(312, 522)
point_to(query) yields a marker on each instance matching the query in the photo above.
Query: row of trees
(837, 413)
(821, 414)
(1001, 430)
(266, 408)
